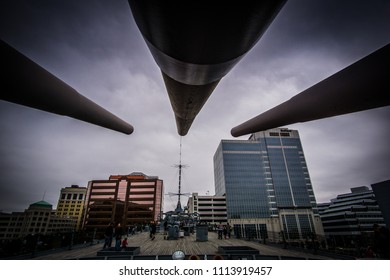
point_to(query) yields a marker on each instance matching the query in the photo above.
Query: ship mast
(179, 208)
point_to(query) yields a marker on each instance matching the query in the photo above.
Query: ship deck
(188, 244)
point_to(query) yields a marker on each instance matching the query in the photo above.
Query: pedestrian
(118, 237)
(165, 227)
(124, 243)
(108, 233)
(153, 229)
(220, 231)
(224, 232)
(368, 253)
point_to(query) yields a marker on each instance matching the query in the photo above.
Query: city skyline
(171, 206)
(97, 49)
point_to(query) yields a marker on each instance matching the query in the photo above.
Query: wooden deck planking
(187, 244)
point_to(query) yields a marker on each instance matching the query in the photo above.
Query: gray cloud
(97, 49)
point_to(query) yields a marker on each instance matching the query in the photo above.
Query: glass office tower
(267, 186)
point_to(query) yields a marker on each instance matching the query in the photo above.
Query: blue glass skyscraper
(267, 186)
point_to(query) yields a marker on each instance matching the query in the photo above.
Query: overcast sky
(96, 48)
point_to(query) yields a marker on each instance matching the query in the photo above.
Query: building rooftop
(41, 203)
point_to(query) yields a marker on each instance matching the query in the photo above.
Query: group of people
(223, 230)
(116, 232)
(380, 248)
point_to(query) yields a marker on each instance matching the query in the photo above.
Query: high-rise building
(71, 203)
(127, 199)
(267, 186)
(348, 219)
(211, 209)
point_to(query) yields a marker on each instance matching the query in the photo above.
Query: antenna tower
(179, 209)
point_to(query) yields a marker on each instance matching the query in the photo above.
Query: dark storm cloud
(84, 24)
(95, 47)
(346, 151)
(350, 28)
(307, 42)
(337, 33)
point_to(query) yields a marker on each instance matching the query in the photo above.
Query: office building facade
(267, 186)
(210, 209)
(71, 203)
(38, 219)
(126, 199)
(348, 219)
